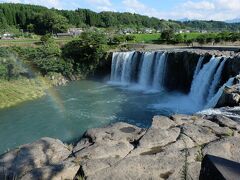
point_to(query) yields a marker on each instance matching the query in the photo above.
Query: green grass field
(146, 38)
(30, 42)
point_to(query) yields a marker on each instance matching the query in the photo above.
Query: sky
(162, 9)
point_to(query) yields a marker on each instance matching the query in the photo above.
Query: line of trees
(42, 20)
(168, 36)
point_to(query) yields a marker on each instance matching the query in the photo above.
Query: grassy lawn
(17, 91)
(31, 42)
(146, 38)
(194, 35)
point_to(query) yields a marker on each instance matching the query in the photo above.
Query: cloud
(230, 5)
(201, 5)
(48, 3)
(103, 3)
(134, 5)
(105, 8)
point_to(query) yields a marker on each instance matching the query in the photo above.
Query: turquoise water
(67, 112)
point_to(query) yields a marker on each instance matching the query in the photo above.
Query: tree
(50, 22)
(30, 28)
(178, 38)
(167, 35)
(45, 38)
(86, 52)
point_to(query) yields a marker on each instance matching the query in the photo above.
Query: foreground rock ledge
(170, 148)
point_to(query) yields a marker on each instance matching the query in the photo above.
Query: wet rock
(230, 97)
(180, 70)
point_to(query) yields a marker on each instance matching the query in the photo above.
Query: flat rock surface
(43, 152)
(123, 151)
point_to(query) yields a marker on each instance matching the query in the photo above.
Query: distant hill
(236, 20)
(42, 20)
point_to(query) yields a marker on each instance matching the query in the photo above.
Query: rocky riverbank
(172, 147)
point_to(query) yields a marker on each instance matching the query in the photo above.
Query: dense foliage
(78, 57)
(86, 52)
(41, 20)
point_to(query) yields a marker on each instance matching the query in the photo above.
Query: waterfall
(202, 81)
(121, 67)
(113, 68)
(159, 71)
(214, 100)
(126, 71)
(146, 69)
(216, 80)
(198, 68)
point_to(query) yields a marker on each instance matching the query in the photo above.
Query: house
(6, 36)
(128, 31)
(148, 31)
(75, 31)
(63, 34)
(181, 31)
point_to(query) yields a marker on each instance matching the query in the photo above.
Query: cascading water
(202, 81)
(216, 80)
(121, 67)
(213, 101)
(198, 68)
(146, 71)
(159, 71)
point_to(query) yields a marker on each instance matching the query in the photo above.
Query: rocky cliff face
(230, 95)
(180, 70)
(180, 67)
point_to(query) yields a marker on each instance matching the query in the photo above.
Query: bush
(86, 52)
(45, 38)
(167, 35)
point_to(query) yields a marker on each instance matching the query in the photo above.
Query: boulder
(65, 170)
(154, 140)
(162, 122)
(200, 135)
(227, 148)
(92, 166)
(110, 142)
(44, 152)
(181, 119)
(225, 122)
(182, 142)
(230, 97)
(160, 166)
